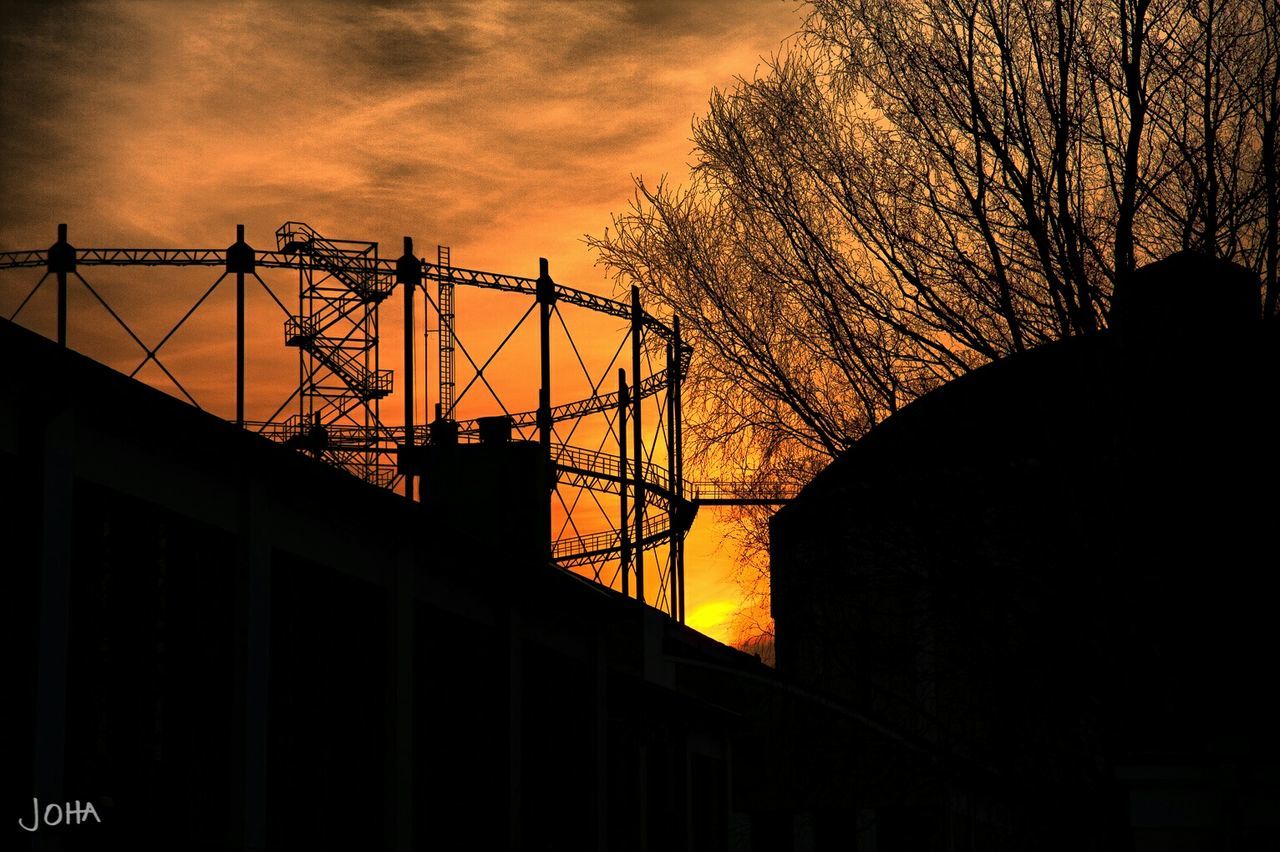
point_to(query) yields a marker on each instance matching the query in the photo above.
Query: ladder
(447, 339)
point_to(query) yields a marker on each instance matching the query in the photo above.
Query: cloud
(506, 129)
(165, 120)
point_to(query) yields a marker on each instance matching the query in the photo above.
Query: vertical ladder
(447, 340)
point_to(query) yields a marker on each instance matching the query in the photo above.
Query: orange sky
(505, 130)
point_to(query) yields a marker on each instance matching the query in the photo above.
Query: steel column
(677, 485)
(637, 398)
(239, 335)
(408, 373)
(546, 300)
(673, 578)
(408, 276)
(241, 258)
(61, 259)
(624, 532)
(426, 351)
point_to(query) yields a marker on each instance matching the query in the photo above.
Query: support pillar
(624, 532)
(240, 348)
(61, 260)
(546, 300)
(241, 259)
(677, 484)
(409, 276)
(637, 399)
(673, 547)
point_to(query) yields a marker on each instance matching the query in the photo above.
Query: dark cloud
(164, 121)
(408, 44)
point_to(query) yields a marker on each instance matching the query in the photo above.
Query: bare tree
(1215, 109)
(917, 187)
(1266, 116)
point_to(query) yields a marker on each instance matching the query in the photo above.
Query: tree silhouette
(916, 187)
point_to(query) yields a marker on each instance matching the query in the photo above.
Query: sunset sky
(506, 130)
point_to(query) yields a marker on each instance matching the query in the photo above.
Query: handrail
(354, 267)
(591, 547)
(729, 492)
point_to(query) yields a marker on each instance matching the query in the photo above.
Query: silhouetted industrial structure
(216, 664)
(335, 411)
(244, 636)
(1054, 578)
(1028, 611)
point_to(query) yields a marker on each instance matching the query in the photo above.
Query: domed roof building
(1053, 576)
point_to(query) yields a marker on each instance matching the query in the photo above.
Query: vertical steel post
(370, 464)
(673, 579)
(408, 375)
(546, 299)
(240, 334)
(304, 377)
(637, 397)
(624, 533)
(426, 355)
(678, 485)
(241, 259)
(61, 260)
(408, 275)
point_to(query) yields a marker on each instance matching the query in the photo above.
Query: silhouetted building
(1053, 579)
(1029, 611)
(223, 643)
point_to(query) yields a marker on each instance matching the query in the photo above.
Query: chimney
(1188, 300)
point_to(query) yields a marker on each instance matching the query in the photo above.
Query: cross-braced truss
(628, 478)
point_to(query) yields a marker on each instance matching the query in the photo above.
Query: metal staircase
(341, 284)
(340, 357)
(354, 263)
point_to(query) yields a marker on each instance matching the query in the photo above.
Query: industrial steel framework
(334, 412)
(336, 333)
